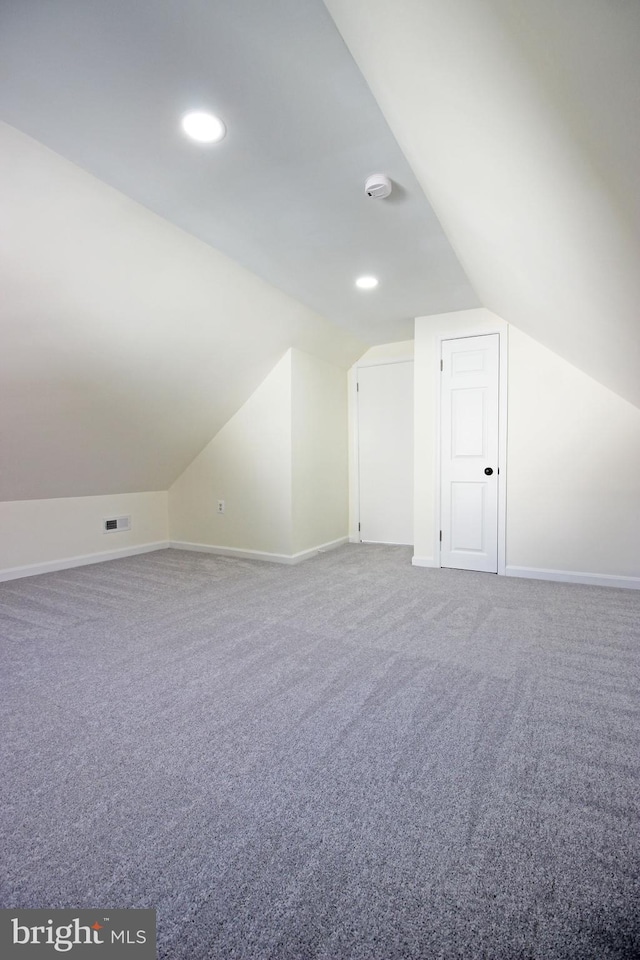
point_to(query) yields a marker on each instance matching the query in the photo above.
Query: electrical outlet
(220, 506)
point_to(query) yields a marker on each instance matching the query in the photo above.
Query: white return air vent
(116, 524)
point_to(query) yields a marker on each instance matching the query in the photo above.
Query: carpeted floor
(351, 759)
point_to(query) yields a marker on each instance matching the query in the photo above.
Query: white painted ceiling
(128, 339)
(104, 84)
(521, 120)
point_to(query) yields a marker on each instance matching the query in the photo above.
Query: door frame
(461, 332)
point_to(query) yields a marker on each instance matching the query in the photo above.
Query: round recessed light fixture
(203, 127)
(366, 283)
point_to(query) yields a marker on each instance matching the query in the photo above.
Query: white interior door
(385, 452)
(469, 453)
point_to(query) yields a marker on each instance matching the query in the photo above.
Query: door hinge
(357, 388)
(358, 528)
(441, 536)
(441, 366)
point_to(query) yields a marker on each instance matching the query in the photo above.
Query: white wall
(386, 352)
(319, 453)
(126, 343)
(280, 465)
(573, 460)
(40, 535)
(573, 467)
(248, 465)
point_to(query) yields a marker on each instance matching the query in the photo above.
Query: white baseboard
(67, 563)
(424, 562)
(571, 576)
(323, 548)
(385, 543)
(258, 554)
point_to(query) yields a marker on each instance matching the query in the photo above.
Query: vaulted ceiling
(105, 85)
(521, 120)
(150, 283)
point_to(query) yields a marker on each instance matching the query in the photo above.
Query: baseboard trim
(385, 543)
(67, 563)
(571, 576)
(323, 548)
(424, 562)
(258, 554)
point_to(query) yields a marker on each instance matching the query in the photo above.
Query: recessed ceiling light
(366, 283)
(203, 127)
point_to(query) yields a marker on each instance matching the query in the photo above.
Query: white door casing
(385, 452)
(469, 409)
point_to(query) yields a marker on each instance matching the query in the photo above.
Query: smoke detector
(378, 186)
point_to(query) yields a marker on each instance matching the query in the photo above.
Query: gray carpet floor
(351, 759)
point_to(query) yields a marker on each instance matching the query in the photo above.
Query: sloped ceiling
(520, 119)
(105, 85)
(128, 338)
(126, 342)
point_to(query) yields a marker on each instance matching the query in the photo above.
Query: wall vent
(116, 524)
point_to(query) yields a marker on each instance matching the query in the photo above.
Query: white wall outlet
(220, 506)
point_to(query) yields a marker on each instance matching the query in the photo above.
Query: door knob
(488, 471)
